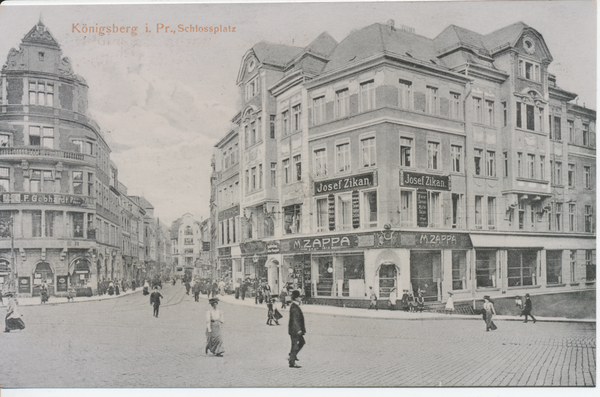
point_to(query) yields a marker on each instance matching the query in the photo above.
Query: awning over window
(537, 242)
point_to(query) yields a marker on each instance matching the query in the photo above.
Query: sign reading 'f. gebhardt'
(345, 183)
(424, 181)
(43, 198)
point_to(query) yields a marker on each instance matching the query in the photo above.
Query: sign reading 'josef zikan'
(346, 183)
(424, 181)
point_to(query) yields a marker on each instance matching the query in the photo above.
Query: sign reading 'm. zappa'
(345, 183)
(427, 181)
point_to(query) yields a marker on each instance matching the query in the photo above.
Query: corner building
(58, 187)
(454, 164)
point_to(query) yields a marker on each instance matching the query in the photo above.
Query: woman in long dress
(490, 312)
(214, 321)
(13, 317)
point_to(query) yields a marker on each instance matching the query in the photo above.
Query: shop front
(43, 274)
(5, 270)
(80, 276)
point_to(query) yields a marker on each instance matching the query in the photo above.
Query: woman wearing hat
(214, 320)
(449, 304)
(13, 318)
(490, 312)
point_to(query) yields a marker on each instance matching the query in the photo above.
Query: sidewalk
(53, 300)
(392, 314)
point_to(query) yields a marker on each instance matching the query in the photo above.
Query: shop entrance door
(425, 274)
(42, 273)
(387, 279)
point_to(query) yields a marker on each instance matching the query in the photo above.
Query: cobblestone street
(118, 343)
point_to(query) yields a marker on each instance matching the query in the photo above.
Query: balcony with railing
(38, 151)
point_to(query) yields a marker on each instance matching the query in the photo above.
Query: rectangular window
(589, 219)
(433, 155)
(587, 181)
(370, 209)
(478, 153)
(273, 174)
(456, 153)
(318, 115)
(431, 100)
(528, 71)
(485, 269)
(530, 117)
(4, 179)
(455, 108)
(246, 136)
(286, 171)
(342, 103)
(435, 209)
(34, 136)
(542, 167)
(342, 157)
(478, 212)
(272, 126)
(298, 168)
(590, 265)
(519, 116)
(405, 95)
(405, 151)
(531, 166)
(521, 215)
(78, 225)
(247, 181)
(558, 216)
(557, 129)
(491, 212)
(368, 151)
(489, 112)
(41, 93)
(367, 96)
(253, 178)
(573, 265)
(572, 217)
(320, 162)
(285, 123)
(557, 173)
(459, 270)
(521, 268)
(541, 119)
(297, 117)
(322, 215)
(406, 208)
(343, 208)
(553, 267)
(571, 175)
(491, 163)
(571, 125)
(504, 114)
(505, 154)
(585, 135)
(260, 176)
(77, 182)
(457, 211)
(478, 110)
(252, 133)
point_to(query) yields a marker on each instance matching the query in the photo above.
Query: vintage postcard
(298, 195)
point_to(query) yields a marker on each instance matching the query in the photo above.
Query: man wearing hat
(296, 329)
(527, 309)
(155, 300)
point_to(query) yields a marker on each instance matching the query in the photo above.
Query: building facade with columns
(391, 160)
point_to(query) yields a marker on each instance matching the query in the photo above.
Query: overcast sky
(163, 100)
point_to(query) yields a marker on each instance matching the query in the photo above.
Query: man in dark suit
(296, 329)
(155, 300)
(528, 308)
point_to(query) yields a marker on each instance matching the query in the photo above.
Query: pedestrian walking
(373, 299)
(243, 289)
(187, 287)
(405, 302)
(271, 313)
(393, 298)
(449, 309)
(214, 321)
(71, 293)
(215, 289)
(527, 309)
(282, 297)
(13, 319)
(155, 298)
(222, 287)
(519, 305)
(296, 329)
(44, 292)
(117, 290)
(196, 291)
(490, 312)
(146, 287)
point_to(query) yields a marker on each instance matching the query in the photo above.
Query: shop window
(590, 265)
(292, 219)
(324, 275)
(340, 275)
(370, 209)
(521, 268)
(4, 179)
(344, 212)
(322, 215)
(406, 208)
(485, 269)
(459, 270)
(425, 274)
(406, 151)
(554, 267)
(387, 279)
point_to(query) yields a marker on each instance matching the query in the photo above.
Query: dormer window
(252, 88)
(529, 70)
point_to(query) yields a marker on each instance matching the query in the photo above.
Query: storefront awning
(537, 242)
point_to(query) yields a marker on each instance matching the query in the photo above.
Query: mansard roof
(275, 54)
(40, 35)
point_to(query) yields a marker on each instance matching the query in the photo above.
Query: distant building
(454, 164)
(186, 246)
